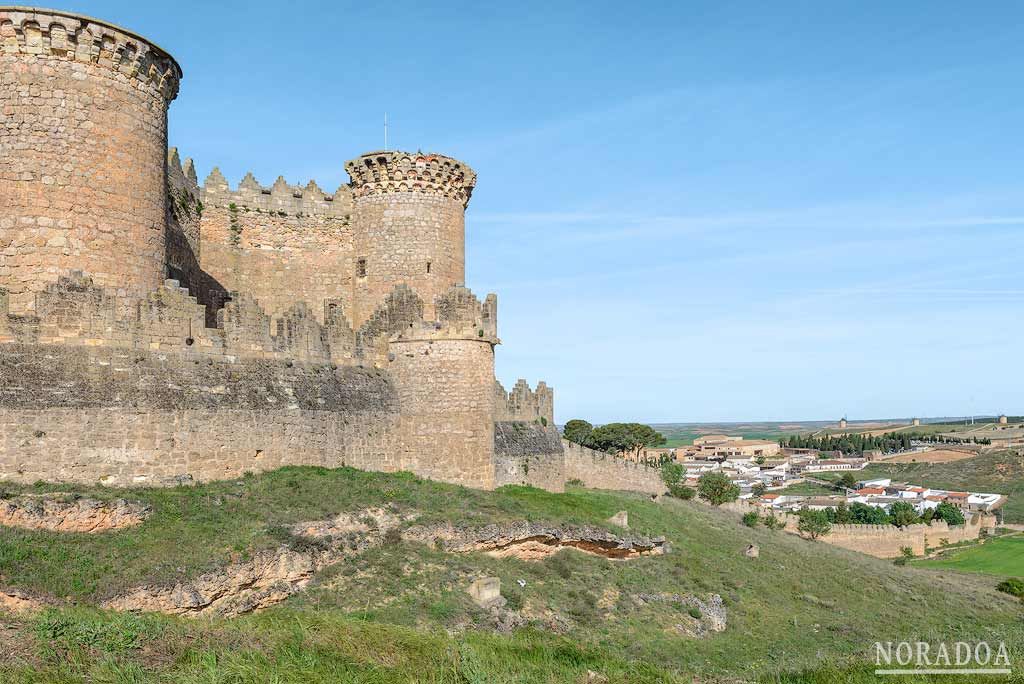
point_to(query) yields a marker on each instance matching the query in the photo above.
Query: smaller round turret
(408, 226)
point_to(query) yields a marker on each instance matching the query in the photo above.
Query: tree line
(850, 444)
(889, 443)
(616, 438)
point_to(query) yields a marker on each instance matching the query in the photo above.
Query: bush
(716, 488)
(906, 553)
(773, 523)
(682, 492)
(1013, 586)
(695, 613)
(672, 475)
(751, 519)
(814, 523)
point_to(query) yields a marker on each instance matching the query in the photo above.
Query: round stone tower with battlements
(82, 153)
(408, 226)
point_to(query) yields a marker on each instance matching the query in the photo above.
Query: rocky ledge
(70, 513)
(535, 541)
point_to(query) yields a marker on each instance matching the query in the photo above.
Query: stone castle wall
(888, 541)
(526, 453)
(524, 404)
(82, 181)
(279, 244)
(598, 470)
(152, 329)
(126, 416)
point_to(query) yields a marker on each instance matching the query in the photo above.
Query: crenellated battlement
(281, 198)
(75, 312)
(54, 34)
(378, 173)
(525, 404)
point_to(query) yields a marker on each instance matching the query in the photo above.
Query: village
(766, 474)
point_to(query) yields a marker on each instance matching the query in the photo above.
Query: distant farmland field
(1003, 556)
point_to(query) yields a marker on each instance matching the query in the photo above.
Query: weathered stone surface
(535, 541)
(752, 551)
(713, 616)
(66, 513)
(14, 601)
(530, 454)
(486, 592)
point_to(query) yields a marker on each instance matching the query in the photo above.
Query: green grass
(807, 488)
(802, 611)
(999, 472)
(1003, 556)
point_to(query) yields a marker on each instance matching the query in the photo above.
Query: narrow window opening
(361, 268)
(428, 267)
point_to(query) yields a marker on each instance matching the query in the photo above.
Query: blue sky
(690, 211)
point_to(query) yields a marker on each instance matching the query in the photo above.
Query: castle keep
(154, 330)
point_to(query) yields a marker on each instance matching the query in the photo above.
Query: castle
(155, 331)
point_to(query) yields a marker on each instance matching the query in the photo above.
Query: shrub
(682, 492)
(906, 553)
(574, 482)
(814, 523)
(751, 519)
(716, 488)
(1013, 586)
(672, 475)
(695, 613)
(773, 523)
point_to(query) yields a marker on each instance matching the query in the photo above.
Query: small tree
(814, 523)
(578, 432)
(758, 489)
(902, 514)
(848, 481)
(773, 523)
(948, 512)
(751, 519)
(716, 488)
(673, 474)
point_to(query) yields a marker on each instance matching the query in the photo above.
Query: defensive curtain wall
(153, 330)
(888, 541)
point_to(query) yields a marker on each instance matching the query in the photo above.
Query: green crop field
(1001, 556)
(400, 612)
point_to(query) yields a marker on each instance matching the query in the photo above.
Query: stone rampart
(888, 541)
(598, 470)
(75, 312)
(282, 199)
(122, 417)
(528, 454)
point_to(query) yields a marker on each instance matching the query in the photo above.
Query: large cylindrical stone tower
(408, 226)
(83, 148)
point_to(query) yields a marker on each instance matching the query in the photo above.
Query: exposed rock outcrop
(68, 513)
(269, 578)
(708, 614)
(272, 576)
(535, 541)
(14, 601)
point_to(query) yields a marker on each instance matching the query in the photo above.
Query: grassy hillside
(400, 612)
(1000, 472)
(1003, 556)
